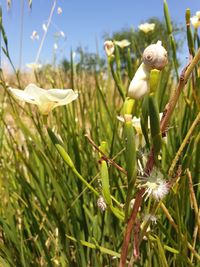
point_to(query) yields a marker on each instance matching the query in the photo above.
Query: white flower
(55, 46)
(139, 139)
(44, 27)
(146, 27)
(34, 36)
(154, 185)
(150, 217)
(139, 85)
(62, 34)
(46, 100)
(59, 10)
(73, 55)
(123, 43)
(109, 47)
(198, 14)
(34, 66)
(195, 20)
(137, 122)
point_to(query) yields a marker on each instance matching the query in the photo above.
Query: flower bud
(139, 85)
(109, 47)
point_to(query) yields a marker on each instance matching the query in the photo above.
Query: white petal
(44, 27)
(39, 94)
(139, 85)
(23, 96)
(34, 90)
(121, 118)
(62, 97)
(123, 43)
(136, 121)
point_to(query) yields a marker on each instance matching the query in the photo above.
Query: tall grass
(53, 173)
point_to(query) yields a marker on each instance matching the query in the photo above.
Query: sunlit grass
(55, 169)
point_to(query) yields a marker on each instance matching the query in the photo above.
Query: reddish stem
(130, 224)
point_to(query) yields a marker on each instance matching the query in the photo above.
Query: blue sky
(83, 21)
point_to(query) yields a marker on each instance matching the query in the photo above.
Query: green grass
(51, 177)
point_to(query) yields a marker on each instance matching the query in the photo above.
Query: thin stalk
(194, 201)
(21, 34)
(45, 32)
(184, 143)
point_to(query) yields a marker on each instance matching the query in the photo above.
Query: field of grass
(78, 187)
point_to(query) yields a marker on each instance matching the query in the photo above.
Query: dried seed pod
(155, 56)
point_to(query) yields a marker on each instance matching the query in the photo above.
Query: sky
(83, 22)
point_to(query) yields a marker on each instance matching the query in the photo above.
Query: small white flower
(136, 121)
(59, 10)
(34, 66)
(123, 43)
(62, 34)
(154, 185)
(101, 203)
(150, 217)
(198, 14)
(34, 36)
(55, 46)
(195, 20)
(132, 203)
(73, 55)
(146, 27)
(109, 47)
(44, 27)
(46, 100)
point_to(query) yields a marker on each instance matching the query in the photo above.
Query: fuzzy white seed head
(154, 185)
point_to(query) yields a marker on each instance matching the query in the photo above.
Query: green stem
(184, 143)
(95, 246)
